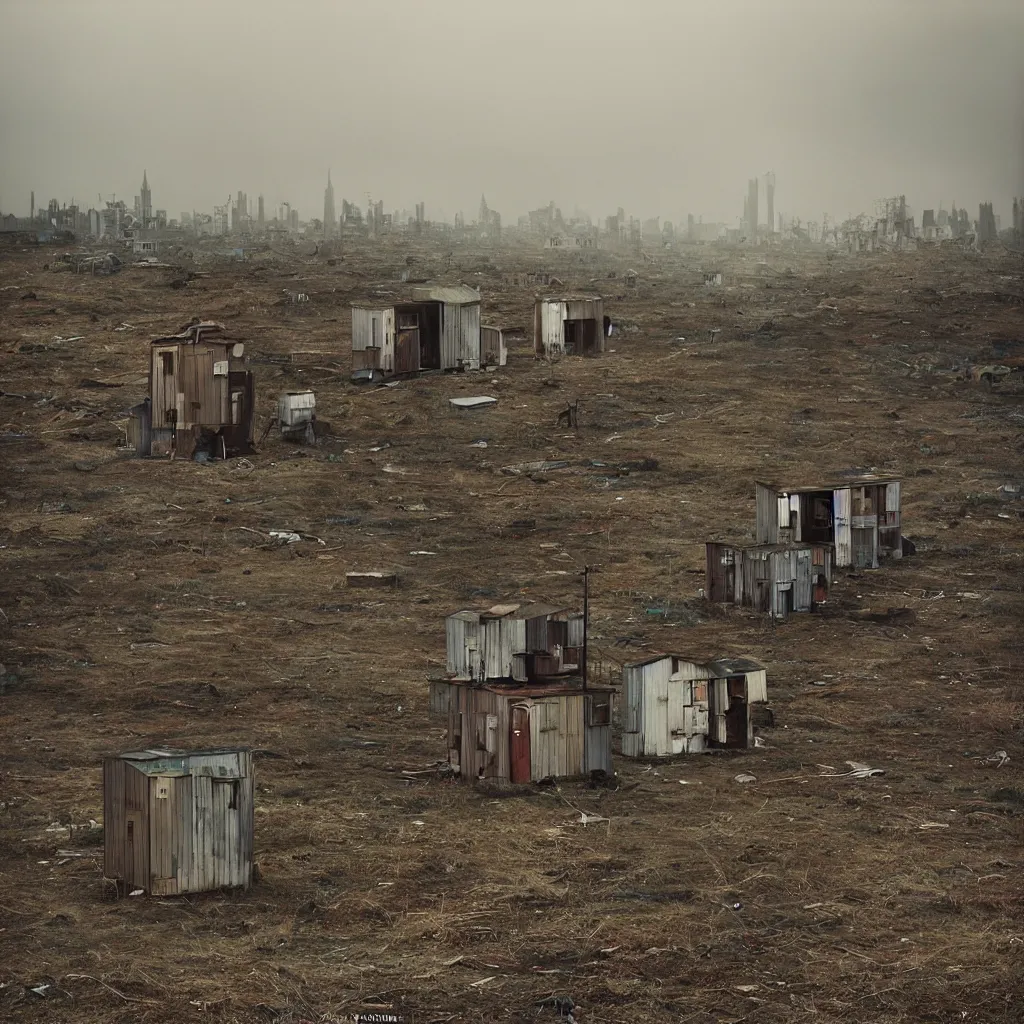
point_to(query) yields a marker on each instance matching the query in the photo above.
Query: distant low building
(777, 579)
(858, 515)
(569, 325)
(433, 327)
(672, 705)
(201, 396)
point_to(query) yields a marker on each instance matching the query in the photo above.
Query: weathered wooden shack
(493, 347)
(201, 396)
(774, 578)
(178, 821)
(673, 705)
(859, 515)
(515, 696)
(569, 325)
(432, 327)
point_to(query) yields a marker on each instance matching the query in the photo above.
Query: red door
(519, 745)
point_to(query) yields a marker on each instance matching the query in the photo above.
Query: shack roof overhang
(719, 668)
(767, 548)
(570, 298)
(859, 480)
(559, 688)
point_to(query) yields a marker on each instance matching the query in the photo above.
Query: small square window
(600, 705)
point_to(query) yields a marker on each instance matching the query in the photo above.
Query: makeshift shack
(493, 348)
(569, 325)
(774, 578)
(516, 698)
(859, 515)
(676, 706)
(432, 328)
(201, 396)
(178, 821)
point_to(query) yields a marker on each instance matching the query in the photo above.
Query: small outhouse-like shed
(673, 705)
(774, 578)
(178, 821)
(200, 396)
(569, 325)
(859, 515)
(433, 327)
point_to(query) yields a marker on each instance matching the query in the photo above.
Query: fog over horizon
(662, 107)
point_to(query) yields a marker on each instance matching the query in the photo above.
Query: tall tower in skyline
(145, 202)
(330, 218)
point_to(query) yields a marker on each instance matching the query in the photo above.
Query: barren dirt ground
(142, 603)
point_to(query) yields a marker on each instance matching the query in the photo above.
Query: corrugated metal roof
(851, 480)
(573, 297)
(157, 753)
(734, 666)
(457, 295)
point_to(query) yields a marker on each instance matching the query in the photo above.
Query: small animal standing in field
(569, 416)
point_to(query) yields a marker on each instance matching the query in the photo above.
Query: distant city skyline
(666, 108)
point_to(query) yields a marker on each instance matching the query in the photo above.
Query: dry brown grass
(139, 608)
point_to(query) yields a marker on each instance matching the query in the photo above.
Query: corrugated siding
(556, 736)
(373, 339)
(163, 387)
(113, 817)
(493, 350)
(125, 799)
(439, 694)
(549, 318)
(632, 710)
(767, 515)
(575, 623)
(460, 336)
(461, 633)
(841, 513)
(757, 687)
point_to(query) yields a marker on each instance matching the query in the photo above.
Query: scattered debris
(477, 402)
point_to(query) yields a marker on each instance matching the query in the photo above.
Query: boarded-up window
(600, 709)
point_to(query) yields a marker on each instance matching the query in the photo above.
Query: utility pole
(586, 619)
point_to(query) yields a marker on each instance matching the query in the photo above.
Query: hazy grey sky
(660, 106)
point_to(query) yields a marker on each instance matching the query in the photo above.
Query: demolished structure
(676, 706)
(201, 397)
(433, 327)
(516, 697)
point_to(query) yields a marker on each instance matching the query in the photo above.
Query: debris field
(862, 864)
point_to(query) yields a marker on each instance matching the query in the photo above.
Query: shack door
(136, 849)
(737, 718)
(519, 744)
(407, 344)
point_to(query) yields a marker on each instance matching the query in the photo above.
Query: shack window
(600, 706)
(821, 512)
(373, 333)
(167, 359)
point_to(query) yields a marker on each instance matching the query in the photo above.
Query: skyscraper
(330, 219)
(145, 203)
